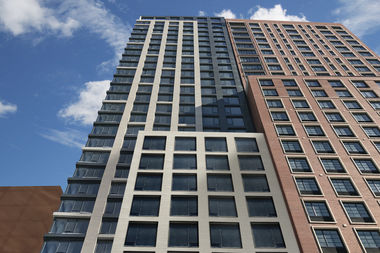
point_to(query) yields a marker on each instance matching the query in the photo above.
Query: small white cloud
(69, 137)
(275, 13)
(6, 108)
(226, 13)
(201, 13)
(84, 110)
(63, 18)
(22, 16)
(360, 16)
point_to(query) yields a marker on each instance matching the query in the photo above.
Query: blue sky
(57, 57)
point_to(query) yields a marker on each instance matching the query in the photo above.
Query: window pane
(225, 236)
(183, 235)
(222, 206)
(219, 182)
(145, 206)
(216, 144)
(185, 162)
(250, 163)
(141, 234)
(267, 236)
(184, 206)
(246, 145)
(255, 183)
(185, 143)
(318, 211)
(330, 240)
(151, 162)
(261, 207)
(184, 182)
(357, 212)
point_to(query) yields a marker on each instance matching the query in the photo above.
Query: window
(354, 147)
(336, 83)
(69, 226)
(359, 84)
(300, 104)
(279, 116)
(117, 189)
(255, 183)
(330, 241)
(270, 92)
(184, 206)
(322, 147)
(272, 103)
(372, 131)
(343, 131)
(94, 157)
(151, 162)
(267, 235)
(266, 82)
(148, 182)
(184, 182)
(344, 187)
(225, 235)
(370, 240)
(343, 93)
(366, 166)
(185, 143)
(307, 116)
(314, 131)
(145, 206)
(77, 205)
(102, 246)
(219, 182)
(318, 211)
(312, 83)
(352, 105)
(294, 93)
(357, 212)
(332, 165)
(62, 246)
(291, 83)
(326, 104)
(291, 146)
(374, 185)
(246, 145)
(368, 94)
(334, 117)
(183, 235)
(261, 207)
(215, 144)
(214, 162)
(108, 226)
(250, 162)
(362, 117)
(308, 186)
(285, 130)
(222, 206)
(299, 164)
(319, 93)
(141, 234)
(154, 142)
(184, 162)
(375, 104)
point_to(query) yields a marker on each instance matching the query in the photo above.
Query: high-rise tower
(230, 136)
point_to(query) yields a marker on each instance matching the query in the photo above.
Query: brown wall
(26, 214)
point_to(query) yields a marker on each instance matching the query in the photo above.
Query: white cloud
(63, 19)
(226, 13)
(275, 13)
(360, 16)
(6, 108)
(22, 16)
(201, 13)
(69, 137)
(84, 110)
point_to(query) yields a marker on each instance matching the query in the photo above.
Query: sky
(57, 58)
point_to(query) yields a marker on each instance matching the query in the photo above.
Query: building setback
(230, 136)
(25, 216)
